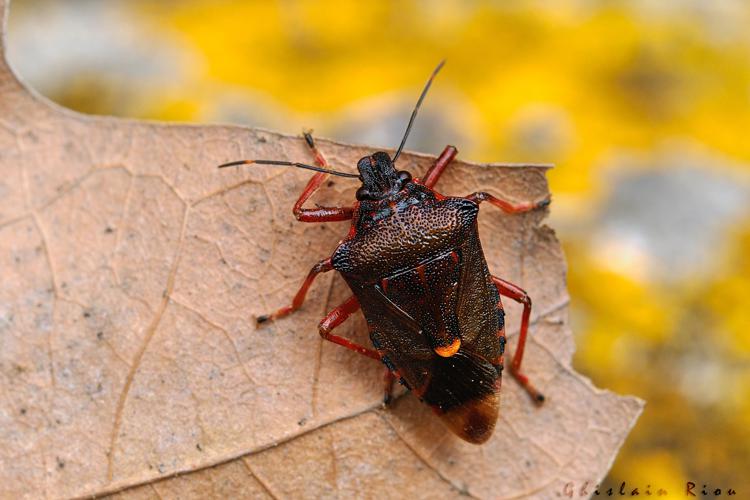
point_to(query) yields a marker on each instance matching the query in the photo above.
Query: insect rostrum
(414, 263)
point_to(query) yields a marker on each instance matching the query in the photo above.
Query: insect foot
(544, 203)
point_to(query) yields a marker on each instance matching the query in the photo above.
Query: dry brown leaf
(131, 270)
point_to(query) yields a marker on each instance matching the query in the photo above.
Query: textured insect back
(415, 265)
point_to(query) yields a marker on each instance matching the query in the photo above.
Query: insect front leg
(321, 267)
(338, 316)
(436, 170)
(432, 176)
(505, 205)
(512, 291)
(319, 214)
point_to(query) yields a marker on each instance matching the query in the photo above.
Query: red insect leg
(510, 290)
(446, 157)
(507, 206)
(320, 214)
(321, 267)
(338, 316)
(436, 170)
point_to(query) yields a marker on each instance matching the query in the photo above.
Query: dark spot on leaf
(31, 136)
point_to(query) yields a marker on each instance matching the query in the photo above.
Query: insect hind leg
(516, 293)
(334, 319)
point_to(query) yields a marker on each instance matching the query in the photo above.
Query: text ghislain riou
(588, 490)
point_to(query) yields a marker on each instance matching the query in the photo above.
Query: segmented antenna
(288, 164)
(416, 108)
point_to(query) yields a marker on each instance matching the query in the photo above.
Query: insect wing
(463, 389)
(398, 338)
(465, 392)
(478, 309)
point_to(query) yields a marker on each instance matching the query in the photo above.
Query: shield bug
(415, 266)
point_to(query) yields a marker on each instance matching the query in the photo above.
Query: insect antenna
(416, 108)
(287, 164)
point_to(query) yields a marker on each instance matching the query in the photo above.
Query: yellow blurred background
(644, 106)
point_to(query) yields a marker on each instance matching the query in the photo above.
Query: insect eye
(363, 194)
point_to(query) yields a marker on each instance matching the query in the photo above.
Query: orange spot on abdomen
(449, 350)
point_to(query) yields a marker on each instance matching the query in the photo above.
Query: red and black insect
(415, 265)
